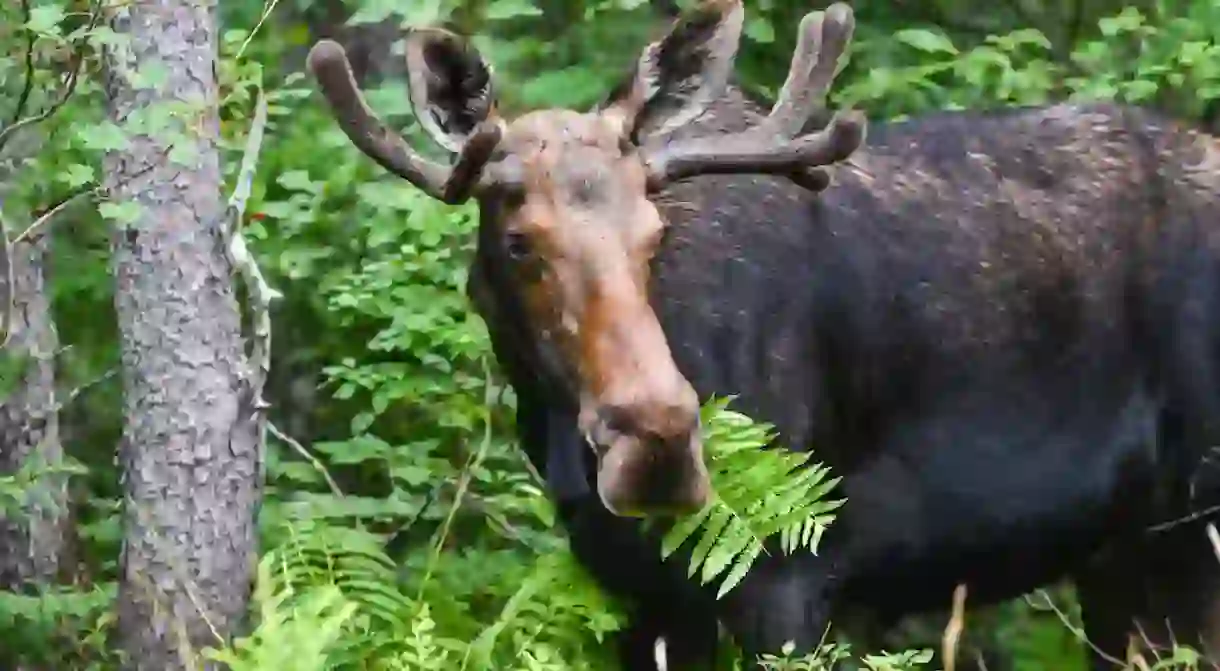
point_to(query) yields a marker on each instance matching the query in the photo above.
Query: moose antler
(772, 146)
(451, 184)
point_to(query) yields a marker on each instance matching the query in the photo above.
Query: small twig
(35, 422)
(7, 305)
(301, 450)
(28, 87)
(472, 461)
(51, 213)
(268, 7)
(75, 393)
(1197, 515)
(1075, 631)
(953, 630)
(481, 505)
(1214, 537)
(90, 191)
(69, 86)
(393, 546)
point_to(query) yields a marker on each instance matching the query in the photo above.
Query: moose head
(567, 231)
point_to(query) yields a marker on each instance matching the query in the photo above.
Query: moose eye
(517, 245)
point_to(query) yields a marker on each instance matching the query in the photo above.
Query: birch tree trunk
(189, 448)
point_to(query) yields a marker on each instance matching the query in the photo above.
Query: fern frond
(556, 606)
(758, 493)
(297, 631)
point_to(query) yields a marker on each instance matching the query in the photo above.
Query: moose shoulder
(1000, 328)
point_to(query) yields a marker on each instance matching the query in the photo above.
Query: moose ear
(677, 77)
(452, 87)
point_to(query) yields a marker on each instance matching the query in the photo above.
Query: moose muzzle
(641, 417)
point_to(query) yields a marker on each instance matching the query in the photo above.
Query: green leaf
(298, 180)
(1126, 21)
(150, 76)
(45, 19)
(184, 152)
(77, 175)
(760, 30)
(500, 10)
(103, 136)
(926, 40)
(123, 213)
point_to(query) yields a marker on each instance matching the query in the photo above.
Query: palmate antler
(773, 146)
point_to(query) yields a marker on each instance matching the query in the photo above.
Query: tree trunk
(31, 534)
(189, 448)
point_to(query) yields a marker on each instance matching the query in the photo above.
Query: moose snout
(650, 452)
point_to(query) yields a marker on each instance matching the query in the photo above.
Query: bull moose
(1002, 329)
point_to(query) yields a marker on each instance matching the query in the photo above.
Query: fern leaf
(758, 492)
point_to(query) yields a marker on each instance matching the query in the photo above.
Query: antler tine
(771, 147)
(736, 155)
(822, 39)
(330, 66)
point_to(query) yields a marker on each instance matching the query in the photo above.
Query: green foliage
(338, 583)
(293, 634)
(757, 494)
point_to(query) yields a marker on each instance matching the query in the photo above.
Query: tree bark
(189, 448)
(32, 535)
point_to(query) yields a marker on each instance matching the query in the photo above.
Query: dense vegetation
(401, 528)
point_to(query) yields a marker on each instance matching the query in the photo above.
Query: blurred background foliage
(405, 488)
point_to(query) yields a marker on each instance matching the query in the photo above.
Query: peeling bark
(31, 536)
(189, 450)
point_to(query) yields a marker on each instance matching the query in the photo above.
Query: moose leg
(1163, 590)
(628, 565)
(784, 600)
(690, 642)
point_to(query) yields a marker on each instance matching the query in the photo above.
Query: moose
(1001, 328)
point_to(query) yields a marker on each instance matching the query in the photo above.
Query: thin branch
(7, 305)
(96, 190)
(28, 87)
(51, 213)
(38, 421)
(1073, 629)
(1193, 517)
(300, 449)
(69, 88)
(472, 461)
(268, 7)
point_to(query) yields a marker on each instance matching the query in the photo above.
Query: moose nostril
(660, 423)
(618, 419)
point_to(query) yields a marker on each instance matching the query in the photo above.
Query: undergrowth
(330, 597)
